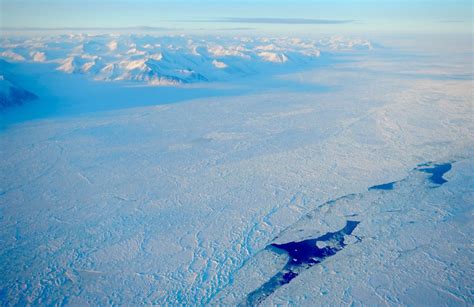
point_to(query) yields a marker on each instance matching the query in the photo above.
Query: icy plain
(115, 191)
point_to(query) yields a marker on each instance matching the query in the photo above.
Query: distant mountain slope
(11, 94)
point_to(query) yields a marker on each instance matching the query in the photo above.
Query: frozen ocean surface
(302, 254)
(339, 182)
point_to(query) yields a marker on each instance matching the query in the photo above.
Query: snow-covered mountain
(171, 60)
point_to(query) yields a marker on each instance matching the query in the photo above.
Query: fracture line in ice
(307, 253)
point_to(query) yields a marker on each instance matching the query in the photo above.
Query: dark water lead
(385, 186)
(436, 170)
(303, 255)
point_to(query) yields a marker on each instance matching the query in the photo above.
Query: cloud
(295, 21)
(139, 28)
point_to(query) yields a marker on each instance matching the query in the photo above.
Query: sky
(417, 16)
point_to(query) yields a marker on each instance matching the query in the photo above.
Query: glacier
(172, 170)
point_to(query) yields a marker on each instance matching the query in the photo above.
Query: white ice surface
(412, 247)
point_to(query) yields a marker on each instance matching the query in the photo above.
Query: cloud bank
(296, 21)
